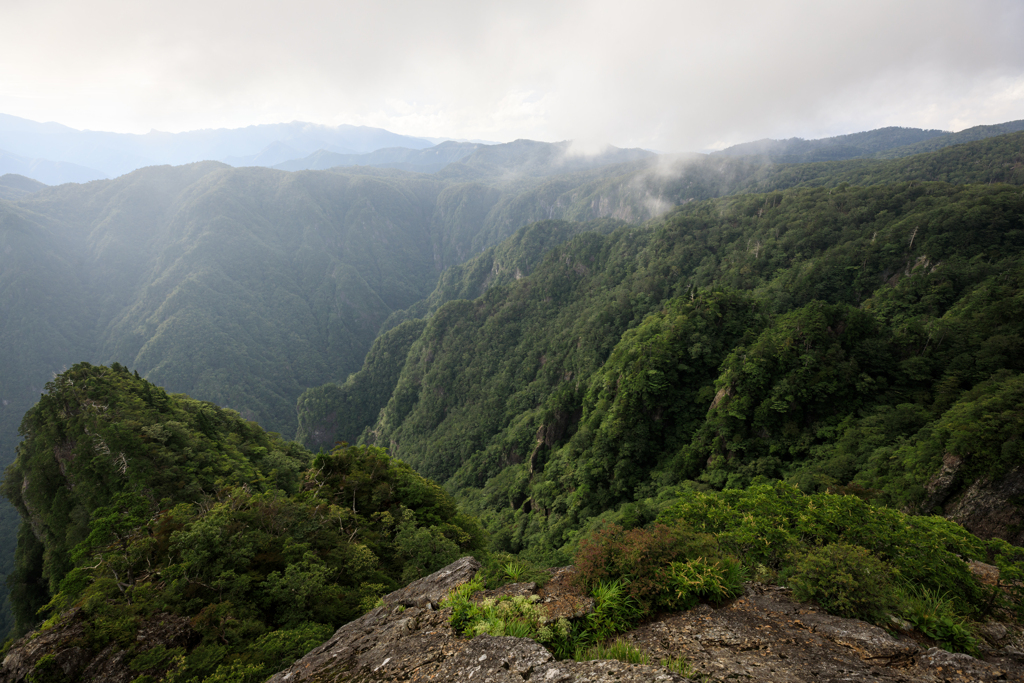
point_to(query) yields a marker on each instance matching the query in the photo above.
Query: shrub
(46, 670)
(844, 579)
(642, 556)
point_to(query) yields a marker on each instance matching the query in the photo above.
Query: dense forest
(239, 286)
(844, 337)
(690, 358)
(139, 505)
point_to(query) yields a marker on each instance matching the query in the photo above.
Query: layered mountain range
(562, 341)
(54, 154)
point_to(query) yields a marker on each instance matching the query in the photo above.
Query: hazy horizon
(671, 76)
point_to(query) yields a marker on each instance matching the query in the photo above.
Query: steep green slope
(189, 540)
(99, 432)
(239, 286)
(281, 279)
(331, 412)
(542, 405)
(45, 322)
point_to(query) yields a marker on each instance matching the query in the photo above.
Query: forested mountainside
(241, 286)
(246, 286)
(149, 512)
(167, 539)
(14, 186)
(855, 338)
(716, 391)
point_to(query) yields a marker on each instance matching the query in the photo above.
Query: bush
(845, 580)
(46, 670)
(642, 556)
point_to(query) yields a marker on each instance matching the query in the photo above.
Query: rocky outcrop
(427, 592)
(766, 636)
(993, 508)
(763, 636)
(988, 508)
(418, 645)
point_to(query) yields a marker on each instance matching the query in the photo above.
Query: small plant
(514, 571)
(464, 610)
(619, 649)
(502, 568)
(373, 596)
(615, 611)
(518, 616)
(934, 615)
(699, 579)
(681, 666)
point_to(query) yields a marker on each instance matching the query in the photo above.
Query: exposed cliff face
(988, 508)
(762, 636)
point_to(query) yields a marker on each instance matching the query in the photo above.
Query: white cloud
(670, 75)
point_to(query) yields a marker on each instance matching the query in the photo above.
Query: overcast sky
(669, 75)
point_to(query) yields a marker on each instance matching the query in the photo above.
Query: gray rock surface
(762, 636)
(988, 508)
(428, 591)
(766, 636)
(992, 508)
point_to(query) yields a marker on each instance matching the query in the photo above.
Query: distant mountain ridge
(46, 171)
(883, 143)
(798, 150)
(967, 135)
(530, 158)
(54, 153)
(424, 160)
(115, 154)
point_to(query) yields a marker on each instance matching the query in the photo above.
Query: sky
(671, 76)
